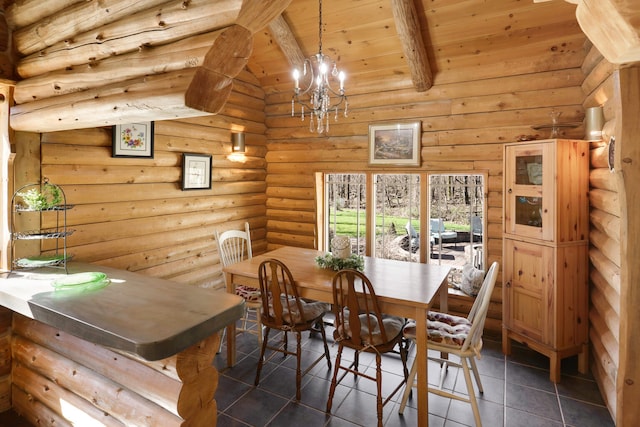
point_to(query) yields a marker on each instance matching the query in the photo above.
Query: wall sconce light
(594, 121)
(237, 140)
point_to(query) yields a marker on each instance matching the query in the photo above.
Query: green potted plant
(49, 197)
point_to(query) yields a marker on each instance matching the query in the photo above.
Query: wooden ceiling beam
(407, 26)
(613, 27)
(287, 42)
(211, 85)
(229, 55)
(409, 31)
(154, 82)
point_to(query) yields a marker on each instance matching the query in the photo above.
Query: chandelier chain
(320, 27)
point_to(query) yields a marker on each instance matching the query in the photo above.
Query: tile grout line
(555, 387)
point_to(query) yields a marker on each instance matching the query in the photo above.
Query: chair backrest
(476, 225)
(359, 321)
(437, 225)
(280, 294)
(410, 230)
(234, 245)
(480, 308)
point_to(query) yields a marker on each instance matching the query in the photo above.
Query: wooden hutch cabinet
(545, 259)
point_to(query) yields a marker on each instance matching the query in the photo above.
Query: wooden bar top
(150, 317)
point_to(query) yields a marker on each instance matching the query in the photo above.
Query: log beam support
(410, 33)
(284, 37)
(613, 27)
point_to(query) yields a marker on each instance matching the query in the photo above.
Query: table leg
(444, 297)
(444, 308)
(421, 361)
(231, 328)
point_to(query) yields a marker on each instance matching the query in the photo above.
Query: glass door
(529, 190)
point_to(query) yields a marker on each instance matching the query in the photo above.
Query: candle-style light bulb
(296, 77)
(323, 68)
(341, 77)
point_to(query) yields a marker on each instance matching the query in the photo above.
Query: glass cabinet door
(529, 178)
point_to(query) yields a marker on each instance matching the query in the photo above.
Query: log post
(627, 158)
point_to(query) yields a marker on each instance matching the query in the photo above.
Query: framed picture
(133, 140)
(394, 144)
(196, 171)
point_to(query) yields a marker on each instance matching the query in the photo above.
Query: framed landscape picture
(394, 144)
(196, 171)
(133, 140)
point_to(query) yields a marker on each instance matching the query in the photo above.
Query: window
(449, 208)
(397, 216)
(345, 201)
(456, 217)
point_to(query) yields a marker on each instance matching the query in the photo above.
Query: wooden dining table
(406, 289)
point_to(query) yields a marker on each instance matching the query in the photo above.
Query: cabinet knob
(508, 284)
(509, 191)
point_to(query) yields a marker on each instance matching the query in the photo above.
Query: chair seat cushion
(392, 327)
(248, 293)
(311, 310)
(442, 328)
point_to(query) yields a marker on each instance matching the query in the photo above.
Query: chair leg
(472, 395)
(244, 319)
(326, 347)
(379, 387)
(223, 334)
(476, 374)
(408, 386)
(334, 380)
(259, 325)
(286, 343)
(356, 361)
(262, 351)
(404, 354)
(298, 369)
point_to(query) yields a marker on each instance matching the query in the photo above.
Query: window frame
(424, 208)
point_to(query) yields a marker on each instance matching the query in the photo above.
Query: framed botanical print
(133, 140)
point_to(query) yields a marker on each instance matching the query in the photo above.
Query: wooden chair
(459, 336)
(361, 326)
(235, 246)
(287, 312)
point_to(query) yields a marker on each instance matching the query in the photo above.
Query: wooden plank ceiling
(88, 63)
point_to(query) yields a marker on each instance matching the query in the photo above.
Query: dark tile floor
(517, 392)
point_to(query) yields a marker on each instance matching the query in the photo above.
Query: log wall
(604, 236)
(465, 123)
(62, 380)
(131, 213)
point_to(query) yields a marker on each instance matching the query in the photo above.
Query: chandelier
(314, 88)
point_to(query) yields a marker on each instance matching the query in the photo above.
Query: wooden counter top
(152, 318)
